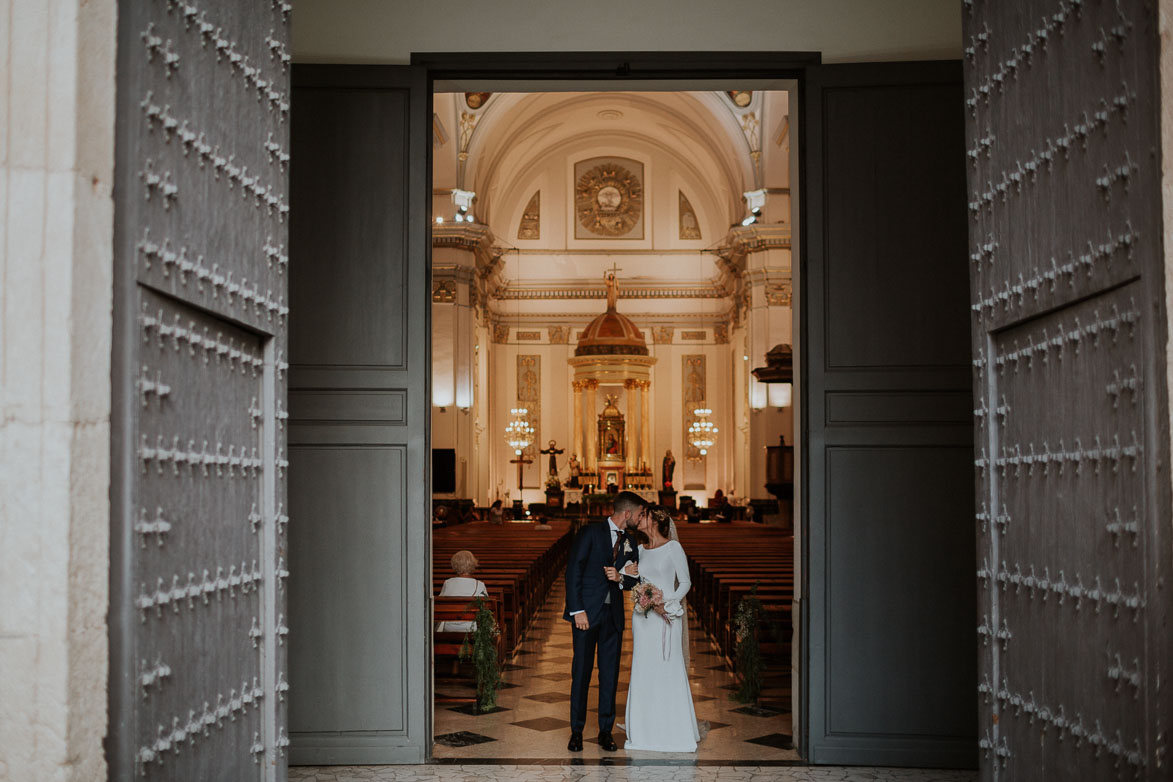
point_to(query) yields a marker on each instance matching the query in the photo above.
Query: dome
(611, 334)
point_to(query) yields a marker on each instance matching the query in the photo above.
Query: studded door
(1072, 424)
(197, 641)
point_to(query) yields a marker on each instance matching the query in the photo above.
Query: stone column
(631, 451)
(645, 425)
(577, 385)
(590, 421)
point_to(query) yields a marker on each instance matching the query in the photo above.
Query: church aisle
(532, 722)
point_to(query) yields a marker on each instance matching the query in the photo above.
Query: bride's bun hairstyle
(662, 519)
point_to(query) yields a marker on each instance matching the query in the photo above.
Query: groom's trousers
(607, 639)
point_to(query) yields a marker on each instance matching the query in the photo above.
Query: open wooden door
(197, 569)
(890, 671)
(360, 486)
(1069, 341)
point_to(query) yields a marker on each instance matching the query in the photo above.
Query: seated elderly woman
(464, 564)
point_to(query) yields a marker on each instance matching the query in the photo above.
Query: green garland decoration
(749, 665)
(480, 645)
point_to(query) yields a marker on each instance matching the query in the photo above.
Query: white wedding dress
(660, 714)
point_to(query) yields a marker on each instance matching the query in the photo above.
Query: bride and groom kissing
(635, 549)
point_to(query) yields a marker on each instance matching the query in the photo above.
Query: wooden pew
(517, 564)
(727, 563)
(446, 645)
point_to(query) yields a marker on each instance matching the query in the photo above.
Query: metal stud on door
(197, 685)
(1067, 301)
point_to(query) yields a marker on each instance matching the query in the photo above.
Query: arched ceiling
(506, 147)
(517, 133)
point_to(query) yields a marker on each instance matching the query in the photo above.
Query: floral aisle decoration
(480, 645)
(749, 665)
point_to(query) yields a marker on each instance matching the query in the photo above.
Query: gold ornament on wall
(530, 226)
(740, 98)
(474, 100)
(443, 291)
(608, 199)
(778, 294)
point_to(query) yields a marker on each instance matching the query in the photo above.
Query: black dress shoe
(606, 742)
(575, 743)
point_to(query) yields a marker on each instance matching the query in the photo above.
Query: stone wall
(56, 230)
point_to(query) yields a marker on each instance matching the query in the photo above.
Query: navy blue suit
(587, 589)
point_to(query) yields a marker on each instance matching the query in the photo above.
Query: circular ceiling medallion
(608, 200)
(611, 114)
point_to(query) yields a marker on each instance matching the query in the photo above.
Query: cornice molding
(463, 236)
(515, 293)
(745, 239)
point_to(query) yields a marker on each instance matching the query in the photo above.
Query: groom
(595, 609)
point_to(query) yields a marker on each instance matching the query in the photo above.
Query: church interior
(612, 309)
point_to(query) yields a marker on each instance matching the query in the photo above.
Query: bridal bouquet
(647, 596)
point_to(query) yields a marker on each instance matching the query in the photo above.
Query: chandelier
(702, 433)
(518, 432)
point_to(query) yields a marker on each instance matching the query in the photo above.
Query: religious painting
(529, 396)
(612, 431)
(694, 394)
(530, 226)
(608, 199)
(689, 228)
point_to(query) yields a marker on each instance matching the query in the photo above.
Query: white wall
(56, 231)
(843, 30)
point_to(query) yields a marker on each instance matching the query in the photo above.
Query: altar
(612, 355)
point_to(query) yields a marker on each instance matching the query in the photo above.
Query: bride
(660, 714)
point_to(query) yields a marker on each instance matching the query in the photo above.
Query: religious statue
(612, 288)
(553, 452)
(575, 471)
(667, 469)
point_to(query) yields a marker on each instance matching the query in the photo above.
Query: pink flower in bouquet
(647, 597)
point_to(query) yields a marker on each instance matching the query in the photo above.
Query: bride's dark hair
(662, 519)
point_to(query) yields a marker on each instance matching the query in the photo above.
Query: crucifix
(521, 462)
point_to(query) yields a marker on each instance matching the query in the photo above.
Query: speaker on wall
(443, 470)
